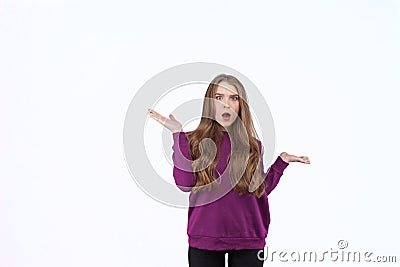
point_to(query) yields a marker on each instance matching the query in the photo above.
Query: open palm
(293, 158)
(170, 123)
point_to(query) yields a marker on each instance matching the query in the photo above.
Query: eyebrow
(223, 94)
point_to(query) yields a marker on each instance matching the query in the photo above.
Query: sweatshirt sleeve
(274, 172)
(182, 170)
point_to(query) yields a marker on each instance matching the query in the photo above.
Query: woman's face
(226, 104)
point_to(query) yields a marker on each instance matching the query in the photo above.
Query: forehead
(226, 88)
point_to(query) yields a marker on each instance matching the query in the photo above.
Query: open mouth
(226, 116)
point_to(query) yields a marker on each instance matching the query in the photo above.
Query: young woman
(236, 222)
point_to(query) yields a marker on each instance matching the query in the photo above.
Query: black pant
(236, 258)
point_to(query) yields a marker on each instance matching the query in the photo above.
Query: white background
(69, 69)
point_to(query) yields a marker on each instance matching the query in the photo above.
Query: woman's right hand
(171, 124)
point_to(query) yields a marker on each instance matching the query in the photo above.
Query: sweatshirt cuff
(280, 164)
(176, 134)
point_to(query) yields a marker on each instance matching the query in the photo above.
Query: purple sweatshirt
(233, 221)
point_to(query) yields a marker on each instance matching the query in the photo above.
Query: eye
(218, 97)
(235, 98)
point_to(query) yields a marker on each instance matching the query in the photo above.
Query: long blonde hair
(240, 131)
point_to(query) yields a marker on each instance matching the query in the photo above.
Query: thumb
(172, 117)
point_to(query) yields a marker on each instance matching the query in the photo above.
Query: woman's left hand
(292, 158)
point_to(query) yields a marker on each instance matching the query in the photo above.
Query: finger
(152, 111)
(156, 114)
(161, 119)
(305, 160)
(301, 159)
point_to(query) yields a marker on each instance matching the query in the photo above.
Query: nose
(226, 103)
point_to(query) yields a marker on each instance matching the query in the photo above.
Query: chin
(225, 124)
